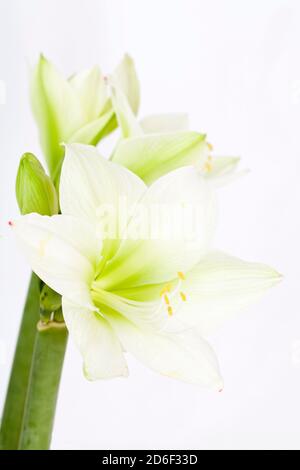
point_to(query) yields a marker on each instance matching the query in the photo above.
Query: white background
(235, 67)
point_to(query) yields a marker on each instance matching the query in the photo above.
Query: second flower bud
(34, 189)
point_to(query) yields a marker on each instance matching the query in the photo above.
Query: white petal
(56, 108)
(91, 89)
(220, 286)
(223, 171)
(145, 314)
(96, 190)
(170, 231)
(160, 123)
(125, 78)
(151, 156)
(126, 118)
(97, 342)
(184, 355)
(95, 130)
(89, 181)
(63, 251)
(54, 99)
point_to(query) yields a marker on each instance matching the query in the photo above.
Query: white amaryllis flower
(161, 143)
(154, 296)
(77, 109)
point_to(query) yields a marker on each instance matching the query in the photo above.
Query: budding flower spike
(77, 109)
(156, 298)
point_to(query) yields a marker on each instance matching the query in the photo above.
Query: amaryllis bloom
(161, 143)
(152, 287)
(77, 109)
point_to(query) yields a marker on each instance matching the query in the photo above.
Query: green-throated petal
(63, 251)
(125, 116)
(221, 286)
(56, 108)
(99, 191)
(91, 90)
(151, 156)
(94, 131)
(182, 355)
(213, 291)
(170, 231)
(99, 346)
(125, 78)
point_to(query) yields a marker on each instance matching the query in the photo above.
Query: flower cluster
(128, 242)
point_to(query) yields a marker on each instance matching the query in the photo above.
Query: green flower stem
(12, 419)
(49, 351)
(33, 386)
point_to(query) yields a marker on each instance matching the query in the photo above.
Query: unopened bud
(34, 189)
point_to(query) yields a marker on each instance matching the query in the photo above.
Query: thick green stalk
(13, 412)
(49, 351)
(29, 408)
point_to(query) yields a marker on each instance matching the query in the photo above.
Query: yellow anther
(181, 275)
(183, 296)
(210, 146)
(166, 299)
(170, 311)
(208, 166)
(165, 289)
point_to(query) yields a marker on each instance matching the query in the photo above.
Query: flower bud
(77, 109)
(50, 305)
(34, 189)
